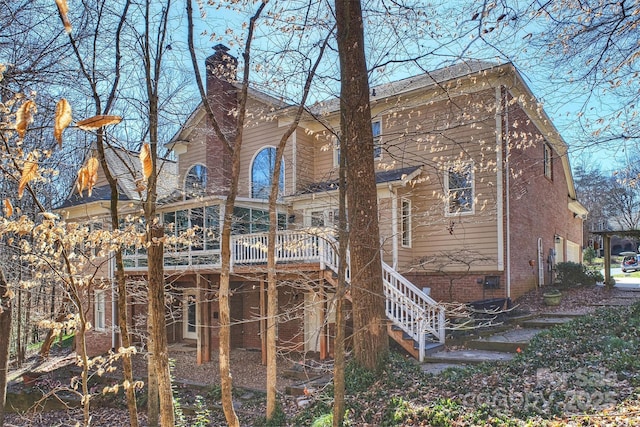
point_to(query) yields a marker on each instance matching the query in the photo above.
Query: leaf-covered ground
(584, 373)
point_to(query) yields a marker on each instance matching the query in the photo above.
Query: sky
(432, 35)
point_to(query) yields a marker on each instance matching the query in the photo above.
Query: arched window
(195, 183)
(262, 171)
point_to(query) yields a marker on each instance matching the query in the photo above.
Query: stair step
(506, 341)
(307, 387)
(430, 347)
(468, 356)
(547, 321)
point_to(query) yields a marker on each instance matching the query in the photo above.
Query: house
(476, 201)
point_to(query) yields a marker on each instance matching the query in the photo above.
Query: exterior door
(190, 314)
(312, 321)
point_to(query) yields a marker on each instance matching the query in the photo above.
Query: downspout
(502, 195)
(113, 302)
(507, 179)
(294, 162)
(394, 225)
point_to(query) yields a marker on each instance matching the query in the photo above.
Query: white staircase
(420, 318)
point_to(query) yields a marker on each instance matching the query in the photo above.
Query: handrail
(405, 305)
(408, 307)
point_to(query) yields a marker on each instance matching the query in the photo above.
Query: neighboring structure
(475, 194)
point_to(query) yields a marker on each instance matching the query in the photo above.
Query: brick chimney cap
(221, 47)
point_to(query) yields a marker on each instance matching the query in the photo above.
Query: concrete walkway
(503, 345)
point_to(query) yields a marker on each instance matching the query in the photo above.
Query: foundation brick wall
(464, 289)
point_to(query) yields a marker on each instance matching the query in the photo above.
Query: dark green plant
(279, 419)
(596, 276)
(396, 412)
(589, 254)
(571, 275)
(357, 378)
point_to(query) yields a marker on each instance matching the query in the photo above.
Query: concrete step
(430, 347)
(468, 356)
(548, 321)
(308, 387)
(509, 341)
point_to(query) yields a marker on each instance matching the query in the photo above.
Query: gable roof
(126, 169)
(382, 177)
(99, 194)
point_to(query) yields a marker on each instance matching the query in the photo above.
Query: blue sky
(433, 35)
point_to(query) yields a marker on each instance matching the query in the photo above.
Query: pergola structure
(606, 240)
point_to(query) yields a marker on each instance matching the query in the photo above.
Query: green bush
(571, 275)
(589, 254)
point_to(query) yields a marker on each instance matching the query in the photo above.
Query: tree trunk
(226, 384)
(127, 366)
(157, 325)
(153, 403)
(121, 283)
(371, 342)
(339, 346)
(5, 327)
(63, 311)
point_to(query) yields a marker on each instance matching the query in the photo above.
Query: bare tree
(370, 335)
(5, 325)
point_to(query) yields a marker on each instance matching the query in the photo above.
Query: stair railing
(417, 314)
(407, 307)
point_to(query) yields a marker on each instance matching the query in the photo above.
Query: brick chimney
(223, 97)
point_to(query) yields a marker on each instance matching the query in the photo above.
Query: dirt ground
(249, 375)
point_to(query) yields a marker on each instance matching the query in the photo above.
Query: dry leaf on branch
(63, 119)
(92, 174)
(24, 117)
(96, 122)
(29, 172)
(8, 208)
(50, 216)
(83, 178)
(63, 8)
(88, 176)
(145, 160)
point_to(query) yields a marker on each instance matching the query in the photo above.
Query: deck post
(263, 327)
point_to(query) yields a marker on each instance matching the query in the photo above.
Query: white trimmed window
(195, 182)
(458, 181)
(376, 128)
(99, 311)
(262, 169)
(405, 222)
(324, 218)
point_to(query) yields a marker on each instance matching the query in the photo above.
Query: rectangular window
(405, 223)
(317, 219)
(212, 227)
(459, 189)
(376, 128)
(99, 311)
(548, 161)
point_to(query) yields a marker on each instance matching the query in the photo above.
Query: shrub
(589, 254)
(571, 275)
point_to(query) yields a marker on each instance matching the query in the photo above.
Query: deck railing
(407, 307)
